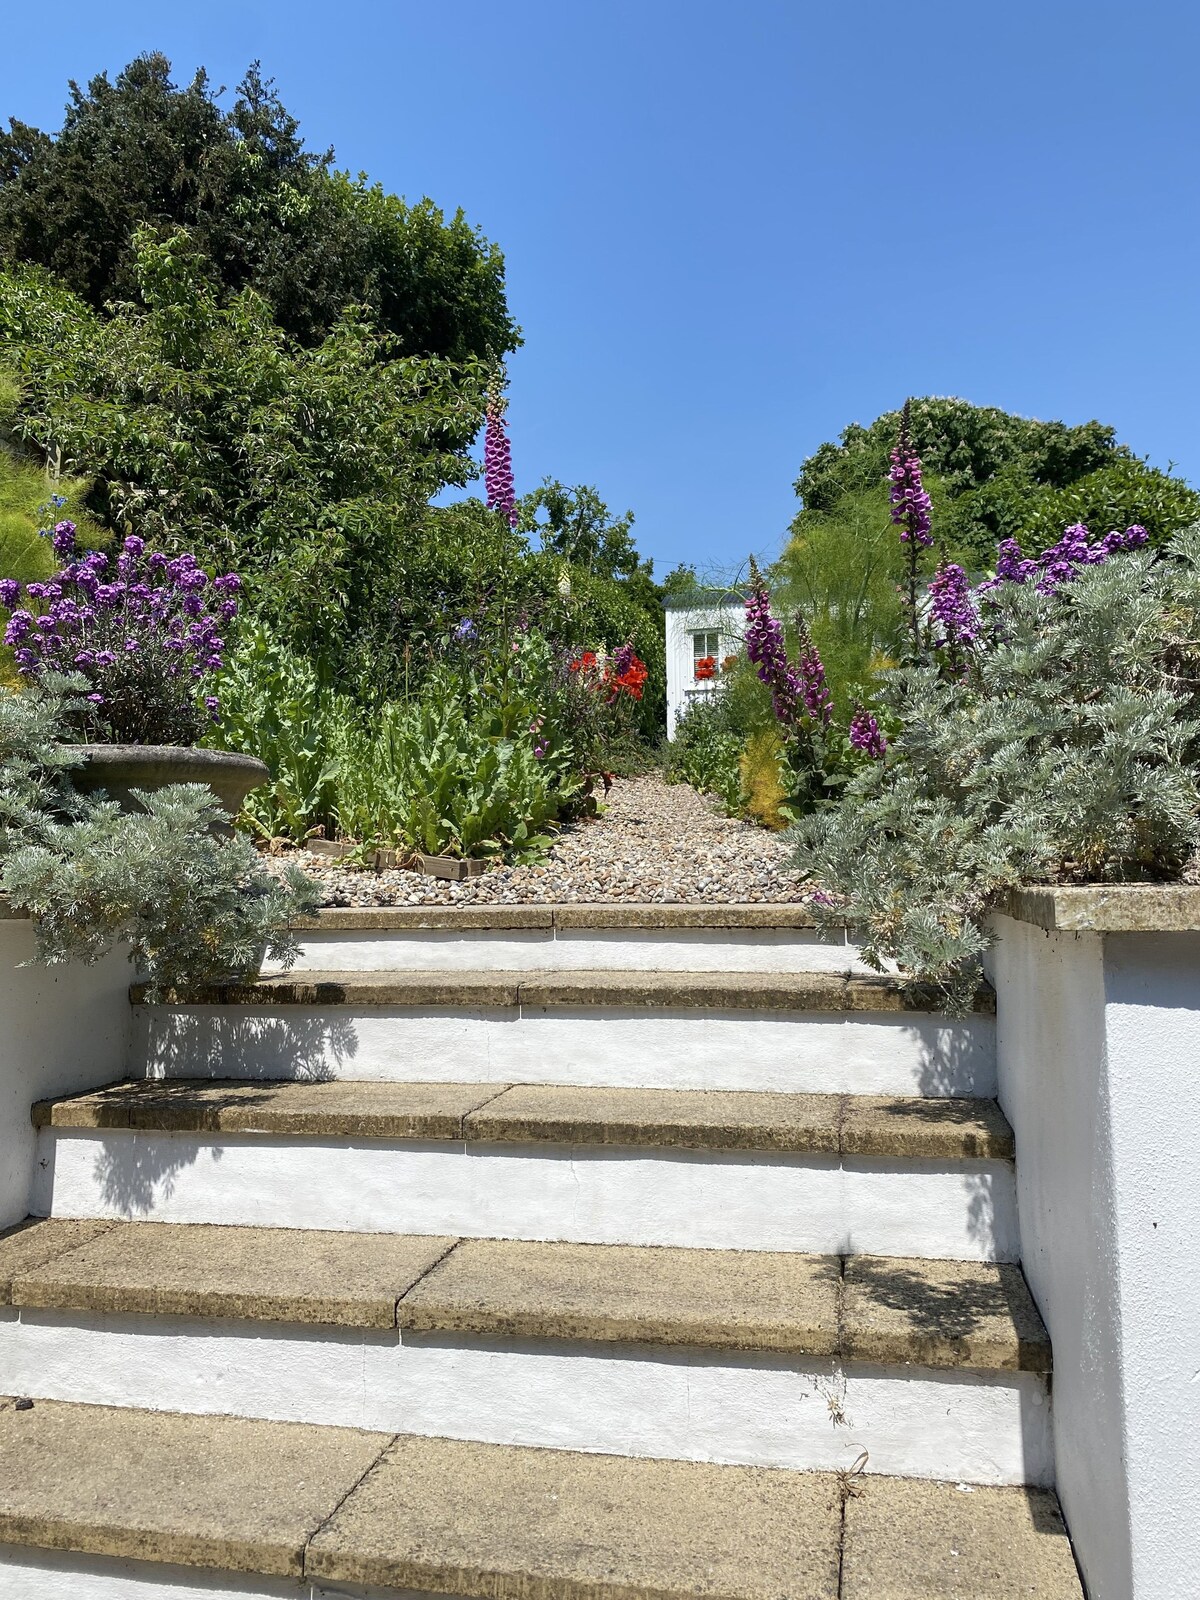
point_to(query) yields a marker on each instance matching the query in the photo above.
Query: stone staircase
(538, 1254)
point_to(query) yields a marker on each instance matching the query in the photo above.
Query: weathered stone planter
(119, 769)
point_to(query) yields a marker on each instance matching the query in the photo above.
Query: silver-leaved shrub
(1061, 745)
(189, 905)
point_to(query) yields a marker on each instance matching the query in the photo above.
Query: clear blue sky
(732, 228)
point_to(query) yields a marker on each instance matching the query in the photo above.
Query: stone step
(814, 1032)
(749, 938)
(196, 1499)
(939, 1314)
(598, 987)
(864, 1125)
(935, 1369)
(737, 1170)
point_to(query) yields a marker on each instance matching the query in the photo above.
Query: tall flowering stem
(810, 669)
(796, 692)
(911, 511)
(954, 621)
(497, 459)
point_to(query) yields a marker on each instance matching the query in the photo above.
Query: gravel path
(655, 843)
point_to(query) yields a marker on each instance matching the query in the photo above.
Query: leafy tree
(1000, 476)
(265, 213)
(680, 580)
(577, 525)
(203, 427)
(964, 445)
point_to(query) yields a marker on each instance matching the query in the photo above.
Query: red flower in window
(706, 667)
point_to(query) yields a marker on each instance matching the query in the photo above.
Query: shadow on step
(212, 1041)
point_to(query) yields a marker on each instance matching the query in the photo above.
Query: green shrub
(1068, 749)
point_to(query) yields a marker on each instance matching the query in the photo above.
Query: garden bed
(655, 843)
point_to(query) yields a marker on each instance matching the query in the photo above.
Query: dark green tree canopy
(577, 525)
(995, 476)
(964, 445)
(265, 212)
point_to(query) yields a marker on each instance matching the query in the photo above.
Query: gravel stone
(655, 844)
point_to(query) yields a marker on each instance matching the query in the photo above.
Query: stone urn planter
(118, 769)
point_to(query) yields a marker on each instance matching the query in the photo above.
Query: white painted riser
(800, 1052)
(29, 1574)
(541, 949)
(757, 1410)
(719, 1199)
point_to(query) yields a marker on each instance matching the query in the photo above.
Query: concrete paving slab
(223, 1492)
(520, 1524)
(726, 1299)
(698, 1119)
(39, 1239)
(264, 1274)
(909, 1540)
(925, 1129)
(340, 1108)
(975, 1314)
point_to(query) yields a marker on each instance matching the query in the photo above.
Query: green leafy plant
(275, 706)
(707, 750)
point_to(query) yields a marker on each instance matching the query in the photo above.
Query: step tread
(508, 1522)
(292, 1275)
(725, 991)
(38, 1240)
(786, 917)
(887, 1311)
(222, 1492)
(939, 1129)
(726, 1299)
(340, 1107)
(905, 1539)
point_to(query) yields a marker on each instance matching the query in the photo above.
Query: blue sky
(733, 228)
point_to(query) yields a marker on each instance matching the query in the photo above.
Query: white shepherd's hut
(704, 627)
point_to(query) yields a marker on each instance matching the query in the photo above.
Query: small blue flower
(466, 632)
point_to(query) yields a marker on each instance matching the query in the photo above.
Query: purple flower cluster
(143, 631)
(952, 609)
(497, 462)
(794, 692)
(865, 734)
(1060, 563)
(911, 505)
(814, 691)
(622, 659)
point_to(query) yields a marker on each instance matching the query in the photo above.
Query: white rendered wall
(62, 1029)
(570, 949)
(1098, 1048)
(706, 1199)
(680, 625)
(743, 1409)
(907, 1053)
(30, 1574)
